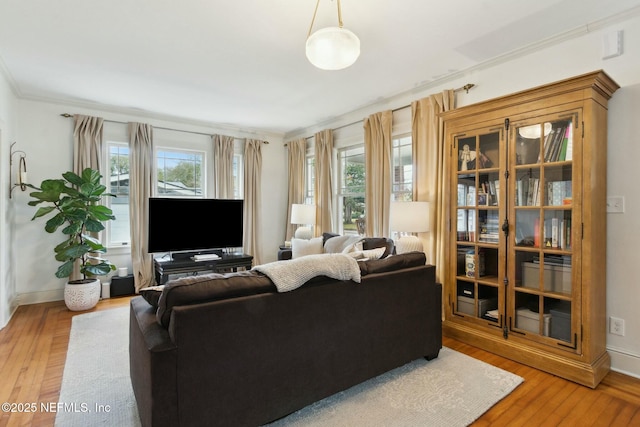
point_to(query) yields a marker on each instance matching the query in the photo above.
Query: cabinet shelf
(535, 160)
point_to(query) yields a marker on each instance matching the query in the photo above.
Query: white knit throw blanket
(291, 274)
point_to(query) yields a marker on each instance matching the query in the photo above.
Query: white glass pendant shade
(533, 131)
(333, 48)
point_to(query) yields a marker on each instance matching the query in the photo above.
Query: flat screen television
(194, 225)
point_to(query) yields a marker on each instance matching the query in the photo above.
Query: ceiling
(241, 64)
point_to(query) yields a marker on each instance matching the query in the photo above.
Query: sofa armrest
(284, 254)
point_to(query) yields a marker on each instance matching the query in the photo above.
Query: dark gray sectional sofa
(229, 350)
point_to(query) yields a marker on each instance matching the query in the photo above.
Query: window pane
(238, 176)
(180, 173)
(118, 230)
(352, 188)
(402, 184)
(310, 177)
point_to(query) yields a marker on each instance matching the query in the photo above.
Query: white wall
(577, 54)
(7, 282)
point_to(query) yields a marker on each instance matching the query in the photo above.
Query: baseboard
(40, 296)
(624, 362)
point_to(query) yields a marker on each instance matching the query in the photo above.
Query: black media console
(226, 263)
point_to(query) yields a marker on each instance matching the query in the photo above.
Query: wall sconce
(21, 175)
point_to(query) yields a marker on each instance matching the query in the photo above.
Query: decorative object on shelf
(21, 175)
(407, 218)
(332, 48)
(75, 202)
(304, 215)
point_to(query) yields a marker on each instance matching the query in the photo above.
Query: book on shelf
(569, 151)
(556, 233)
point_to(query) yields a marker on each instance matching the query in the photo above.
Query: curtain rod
(67, 115)
(465, 88)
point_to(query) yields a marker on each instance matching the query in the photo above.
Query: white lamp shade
(303, 214)
(410, 217)
(333, 48)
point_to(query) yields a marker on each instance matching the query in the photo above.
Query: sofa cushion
(392, 263)
(303, 247)
(210, 287)
(151, 294)
(364, 255)
(379, 242)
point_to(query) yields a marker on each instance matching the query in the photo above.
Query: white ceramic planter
(82, 296)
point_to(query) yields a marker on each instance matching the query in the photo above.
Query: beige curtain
(142, 174)
(296, 187)
(252, 202)
(323, 185)
(377, 163)
(87, 142)
(223, 166)
(87, 153)
(431, 171)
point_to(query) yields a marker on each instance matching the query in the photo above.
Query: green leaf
(74, 251)
(73, 228)
(97, 269)
(93, 225)
(53, 223)
(42, 211)
(73, 178)
(65, 269)
(95, 244)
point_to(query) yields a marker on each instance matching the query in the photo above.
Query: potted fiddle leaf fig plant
(75, 202)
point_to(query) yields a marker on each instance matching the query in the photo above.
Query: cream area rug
(452, 390)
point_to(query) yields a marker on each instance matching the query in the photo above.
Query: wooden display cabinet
(527, 244)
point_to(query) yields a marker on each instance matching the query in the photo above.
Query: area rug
(452, 390)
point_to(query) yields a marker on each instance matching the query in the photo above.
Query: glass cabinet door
(476, 211)
(540, 263)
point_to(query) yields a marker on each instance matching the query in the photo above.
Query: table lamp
(407, 218)
(305, 217)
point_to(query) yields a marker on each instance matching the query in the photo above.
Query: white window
(351, 190)
(402, 180)
(117, 182)
(309, 180)
(180, 173)
(238, 176)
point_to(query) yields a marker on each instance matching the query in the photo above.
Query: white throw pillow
(302, 247)
(367, 254)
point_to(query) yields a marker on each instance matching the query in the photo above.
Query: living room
(46, 138)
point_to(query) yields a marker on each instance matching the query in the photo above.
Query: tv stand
(226, 263)
(181, 256)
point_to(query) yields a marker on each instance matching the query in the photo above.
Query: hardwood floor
(33, 348)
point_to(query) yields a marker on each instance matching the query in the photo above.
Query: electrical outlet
(615, 204)
(616, 326)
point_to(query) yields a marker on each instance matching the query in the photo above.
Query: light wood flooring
(33, 348)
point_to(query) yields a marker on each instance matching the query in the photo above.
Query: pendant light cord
(315, 12)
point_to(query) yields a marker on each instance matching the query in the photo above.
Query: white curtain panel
(377, 157)
(87, 153)
(297, 151)
(252, 200)
(323, 192)
(223, 166)
(430, 171)
(142, 174)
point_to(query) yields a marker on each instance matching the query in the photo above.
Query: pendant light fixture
(332, 48)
